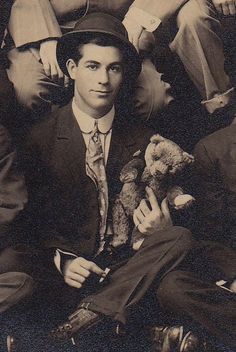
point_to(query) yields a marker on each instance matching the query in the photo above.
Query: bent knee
(193, 15)
(183, 238)
(18, 285)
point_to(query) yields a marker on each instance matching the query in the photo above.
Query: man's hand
(77, 270)
(154, 218)
(225, 7)
(48, 57)
(134, 31)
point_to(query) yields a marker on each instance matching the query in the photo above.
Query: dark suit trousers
(15, 284)
(127, 285)
(193, 296)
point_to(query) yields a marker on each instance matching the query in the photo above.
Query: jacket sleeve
(162, 9)
(13, 194)
(32, 21)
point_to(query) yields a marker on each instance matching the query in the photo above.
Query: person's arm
(32, 21)
(147, 15)
(33, 25)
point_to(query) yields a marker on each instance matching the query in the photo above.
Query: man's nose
(103, 76)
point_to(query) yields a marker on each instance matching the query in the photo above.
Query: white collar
(86, 122)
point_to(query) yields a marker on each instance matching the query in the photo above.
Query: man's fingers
(96, 270)
(165, 209)
(225, 9)
(135, 219)
(78, 269)
(139, 215)
(47, 69)
(144, 207)
(72, 283)
(232, 9)
(76, 277)
(54, 73)
(142, 229)
(152, 199)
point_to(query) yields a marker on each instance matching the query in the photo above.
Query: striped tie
(95, 169)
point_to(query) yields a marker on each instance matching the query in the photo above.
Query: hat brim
(70, 39)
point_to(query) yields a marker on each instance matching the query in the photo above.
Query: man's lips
(102, 91)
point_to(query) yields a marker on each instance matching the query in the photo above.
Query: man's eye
(92, 67)
(116, 68)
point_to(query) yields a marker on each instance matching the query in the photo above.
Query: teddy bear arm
(178, 198)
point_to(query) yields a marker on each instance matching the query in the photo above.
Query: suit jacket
(216, 185)
(36, 20)
(63, 207)
(13, 194)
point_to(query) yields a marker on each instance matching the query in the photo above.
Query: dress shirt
(145, 19)
(86, 124)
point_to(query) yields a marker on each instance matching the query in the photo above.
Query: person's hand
(77, 270)
(233, 286)
(48, 57)
(150, 219)
(134, 31)
(225, 7)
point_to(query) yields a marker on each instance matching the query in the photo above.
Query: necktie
(95, 169)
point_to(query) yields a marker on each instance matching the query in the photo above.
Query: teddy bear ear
(156, 138)
(188, 157)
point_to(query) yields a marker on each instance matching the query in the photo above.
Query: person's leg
(199, 46)
(15, 283)
(127, 285)
(193, 301)
(34, 90)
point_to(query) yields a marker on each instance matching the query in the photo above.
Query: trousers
(193, 297)
(15, 283)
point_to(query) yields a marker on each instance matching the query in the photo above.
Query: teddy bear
(163, 164)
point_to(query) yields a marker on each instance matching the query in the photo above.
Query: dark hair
(94, 38)
(124, 99)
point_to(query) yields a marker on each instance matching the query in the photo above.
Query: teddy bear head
(164, 157)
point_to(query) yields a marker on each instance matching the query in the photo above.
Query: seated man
(196, 23)
(72, 162)
(15, 284)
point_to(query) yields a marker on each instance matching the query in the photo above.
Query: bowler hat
(98, 23)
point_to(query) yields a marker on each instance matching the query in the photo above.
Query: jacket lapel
(119, 153)
(72, 145)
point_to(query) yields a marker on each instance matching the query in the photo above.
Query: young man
(15, 284)
(73, 160)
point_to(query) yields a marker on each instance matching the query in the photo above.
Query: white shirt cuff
(145, 19)
(58, 258)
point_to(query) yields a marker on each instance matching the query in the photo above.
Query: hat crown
(101, 22)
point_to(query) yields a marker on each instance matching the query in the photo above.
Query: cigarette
(103, 278)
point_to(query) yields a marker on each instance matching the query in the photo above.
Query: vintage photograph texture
(117, 175)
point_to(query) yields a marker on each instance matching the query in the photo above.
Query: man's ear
(71, 68)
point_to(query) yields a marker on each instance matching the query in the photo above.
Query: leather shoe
(80, 321)
(175, 339)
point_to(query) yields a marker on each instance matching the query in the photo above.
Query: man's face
(98, 77)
